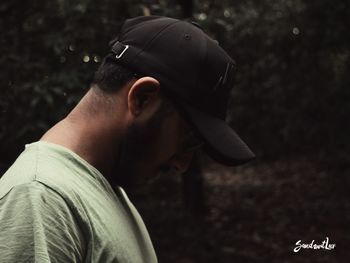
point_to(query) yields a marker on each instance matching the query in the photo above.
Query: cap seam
(204, 59)
(152, 39)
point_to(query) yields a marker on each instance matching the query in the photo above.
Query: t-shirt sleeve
(36, 225)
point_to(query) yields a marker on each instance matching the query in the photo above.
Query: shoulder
(34, 203)
(39, 224)
(49, 172)
(22, 171)
(33, 195)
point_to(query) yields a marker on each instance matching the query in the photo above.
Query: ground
(254, 213)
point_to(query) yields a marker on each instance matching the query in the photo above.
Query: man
(159, 95)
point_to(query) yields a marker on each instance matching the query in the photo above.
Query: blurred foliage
(293, 59)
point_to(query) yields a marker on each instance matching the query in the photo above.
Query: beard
(135, 165)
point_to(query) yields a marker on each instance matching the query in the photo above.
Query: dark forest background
(290, 104)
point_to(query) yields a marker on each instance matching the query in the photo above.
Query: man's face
(155, 146)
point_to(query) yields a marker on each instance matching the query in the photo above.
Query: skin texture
(125, 134)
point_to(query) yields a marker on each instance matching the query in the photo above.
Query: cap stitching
(151, 40)
(204, 60)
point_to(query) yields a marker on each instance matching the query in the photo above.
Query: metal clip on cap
(119, 49)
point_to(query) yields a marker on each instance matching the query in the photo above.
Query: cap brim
(221, 142)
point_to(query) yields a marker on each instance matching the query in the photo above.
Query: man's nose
(181, 162)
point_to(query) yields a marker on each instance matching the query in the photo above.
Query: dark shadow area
(255, 213)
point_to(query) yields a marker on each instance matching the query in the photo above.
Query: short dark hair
(111, 76)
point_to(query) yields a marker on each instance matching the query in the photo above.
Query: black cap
(193, 69)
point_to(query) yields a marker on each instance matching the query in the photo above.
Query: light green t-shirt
(55, 207)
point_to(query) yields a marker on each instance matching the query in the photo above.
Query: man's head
(172, 66)
(156, 138)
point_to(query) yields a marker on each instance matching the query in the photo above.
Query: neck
(94, 137)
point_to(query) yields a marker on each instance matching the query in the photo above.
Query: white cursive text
(325, 245)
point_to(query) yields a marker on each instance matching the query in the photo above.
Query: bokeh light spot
(97, 59)
(71, 48)
(86, 58)
(296, 31)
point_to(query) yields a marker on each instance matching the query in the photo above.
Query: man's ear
(143, 92)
